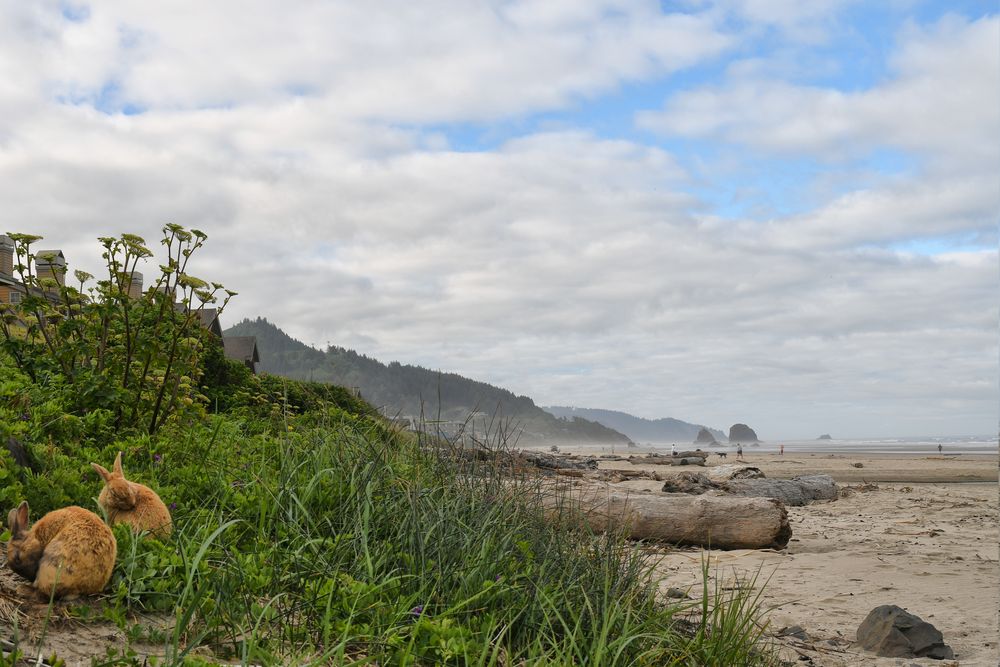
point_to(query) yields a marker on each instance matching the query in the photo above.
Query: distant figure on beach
(940, 448)
(781, 450)
(739, 451)
(673, 449)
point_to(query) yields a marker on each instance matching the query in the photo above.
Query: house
(51, 265)
(10, 289)
(209, 319)
(242, 349)
(238, 348)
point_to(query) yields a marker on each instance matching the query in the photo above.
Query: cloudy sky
(770, 211)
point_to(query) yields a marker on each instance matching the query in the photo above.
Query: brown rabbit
(70, 549)
(132, 503)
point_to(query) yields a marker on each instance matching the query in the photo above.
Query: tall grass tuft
(345, 542)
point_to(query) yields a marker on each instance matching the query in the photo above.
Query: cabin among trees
(51, 265)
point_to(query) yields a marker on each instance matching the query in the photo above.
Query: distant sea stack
(742, 433)
(825, 436)
(705, 437)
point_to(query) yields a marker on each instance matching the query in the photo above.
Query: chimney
(134, 285)
(6, 255)
(50, 264)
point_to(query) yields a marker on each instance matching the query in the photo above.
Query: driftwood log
(688, 461)
(658, 459)
(558, 462)
(711, 521)
(792, 492)
(728, 471)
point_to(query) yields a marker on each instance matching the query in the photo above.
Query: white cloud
(401, 61)
(941, 102)
(568, 267)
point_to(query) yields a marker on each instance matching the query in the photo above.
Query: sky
(774, 212)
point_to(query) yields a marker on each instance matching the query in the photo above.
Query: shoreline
(844, 468)
(917, 530)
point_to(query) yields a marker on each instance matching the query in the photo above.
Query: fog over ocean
(973, 444)
(927, 445)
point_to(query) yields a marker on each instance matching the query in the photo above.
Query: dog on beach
(722, 455)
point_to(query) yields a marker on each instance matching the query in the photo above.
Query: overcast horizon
(760, 211)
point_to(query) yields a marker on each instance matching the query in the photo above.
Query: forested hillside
(656, 431)
(411, 391)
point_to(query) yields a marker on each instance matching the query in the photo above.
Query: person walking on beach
(940, 448)
(781, 450)
(673, 449)
(739, 451)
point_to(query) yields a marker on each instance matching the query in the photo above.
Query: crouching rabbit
(132, 503)
(68, 552)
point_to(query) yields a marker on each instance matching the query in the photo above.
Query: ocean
(951, 445)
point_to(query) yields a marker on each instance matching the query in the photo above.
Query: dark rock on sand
(742, 433)
(893, 632)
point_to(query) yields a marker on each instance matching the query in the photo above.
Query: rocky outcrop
(705, 437)
(742, 433)
(893, 632)
(825, 436)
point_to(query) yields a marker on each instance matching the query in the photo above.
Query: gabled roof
(241, 348)
(208, 318)
(50, 257)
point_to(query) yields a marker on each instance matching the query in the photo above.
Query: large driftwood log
(716, 521)
(728, 471)
(689, 453)
(792, 492)
(688, 461)
(558, 462)
(657, 459)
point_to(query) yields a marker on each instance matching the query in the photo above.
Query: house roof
(241, 348)
(50, 257)
(208, 318)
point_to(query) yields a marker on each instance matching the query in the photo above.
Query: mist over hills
(656, 431)
(405, 390)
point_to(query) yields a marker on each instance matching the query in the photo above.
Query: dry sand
(925, 539)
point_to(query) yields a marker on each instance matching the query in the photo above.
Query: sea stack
(825, 436)
(705, 437)
(742, 433)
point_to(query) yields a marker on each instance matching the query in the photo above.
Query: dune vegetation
(307, 530)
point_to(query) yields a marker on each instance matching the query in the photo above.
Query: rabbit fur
(132, 503)
(67, 553)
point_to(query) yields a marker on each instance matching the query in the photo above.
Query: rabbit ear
(118, 464)
(102, 471)
(19, 519)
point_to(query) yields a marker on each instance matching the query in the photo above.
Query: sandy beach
(920, 532)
